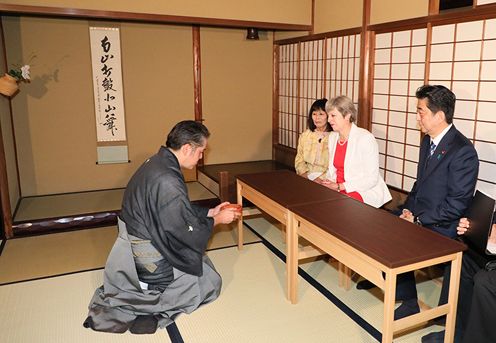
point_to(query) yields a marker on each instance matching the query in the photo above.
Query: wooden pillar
(433, 7)
(197, 81)
(224, 186)
(364, 117)
(4, 183)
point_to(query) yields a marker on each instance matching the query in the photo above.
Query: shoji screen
(288, 86)
(463, 58)
(483, 2)
(399, 67)
(311, 78)
(311, 70)
(342, 67)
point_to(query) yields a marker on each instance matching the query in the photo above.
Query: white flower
(25, 72)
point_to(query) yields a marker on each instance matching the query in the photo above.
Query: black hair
(187, 132)
(439, 98)
(318, 105)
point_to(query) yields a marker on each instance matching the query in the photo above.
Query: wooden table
(273, 192)
(374, 243)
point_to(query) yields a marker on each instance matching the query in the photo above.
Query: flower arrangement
(20, 73)
(8, 82)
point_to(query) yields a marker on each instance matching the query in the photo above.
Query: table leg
(389, 299)
(454, 285)
(240, 220)
(292, 257)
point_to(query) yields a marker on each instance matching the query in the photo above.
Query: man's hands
(407, 215)
(224, 216)
(463, 226)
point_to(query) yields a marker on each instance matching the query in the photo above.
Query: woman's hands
(330, 184)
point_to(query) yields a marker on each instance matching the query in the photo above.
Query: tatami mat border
(324, 291)
(92, 269)
(234, 245)
(50, 276)
(174, 334)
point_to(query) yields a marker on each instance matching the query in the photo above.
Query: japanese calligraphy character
(105, 44)
(104, 58)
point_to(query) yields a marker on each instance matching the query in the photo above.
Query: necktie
(433, 147)
(431, 152)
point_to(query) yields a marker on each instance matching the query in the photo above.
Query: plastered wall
(276, 11)
(54, 118)
(237, 95)
(54, 115)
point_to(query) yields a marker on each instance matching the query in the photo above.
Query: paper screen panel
(342, 67)
(399, 68)
(288, 81)
(470, 72)
(311, 78)
(311, 70)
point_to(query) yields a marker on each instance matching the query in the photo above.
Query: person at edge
(353, 156)
(157, 268)
(312, 156)
(475, 315)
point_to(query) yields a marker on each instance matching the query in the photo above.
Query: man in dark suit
(446, 177)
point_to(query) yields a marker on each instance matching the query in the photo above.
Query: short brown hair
(344, 105)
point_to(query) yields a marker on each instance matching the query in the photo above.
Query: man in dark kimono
(157, 268)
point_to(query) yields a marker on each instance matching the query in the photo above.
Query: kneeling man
(157, 267)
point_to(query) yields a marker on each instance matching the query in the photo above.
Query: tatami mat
(53, 310)
(60, 205)
(366, 304)
(251, 308)
(60, 253)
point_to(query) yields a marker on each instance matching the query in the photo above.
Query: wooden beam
(145, 17)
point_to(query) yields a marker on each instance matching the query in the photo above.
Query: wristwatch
(417, 221)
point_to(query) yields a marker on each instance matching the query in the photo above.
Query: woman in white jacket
(353, 156)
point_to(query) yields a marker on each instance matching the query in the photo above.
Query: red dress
(339, 165)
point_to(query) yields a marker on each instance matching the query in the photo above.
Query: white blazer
(361, 166)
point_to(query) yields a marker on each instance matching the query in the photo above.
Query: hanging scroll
(107, 84)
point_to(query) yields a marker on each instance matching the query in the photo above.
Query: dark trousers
(476, 310)
(406, 288)
(476, 313)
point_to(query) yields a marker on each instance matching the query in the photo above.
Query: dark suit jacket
(445, 186)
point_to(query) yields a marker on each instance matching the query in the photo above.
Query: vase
(8, 85)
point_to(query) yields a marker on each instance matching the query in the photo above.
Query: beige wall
(237, 95)
(54, 114)
(337, 15)
(277, 11)
(289, 34)
(383, 11)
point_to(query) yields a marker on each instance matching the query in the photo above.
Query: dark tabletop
(286, 188)
(390, 240)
